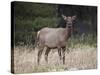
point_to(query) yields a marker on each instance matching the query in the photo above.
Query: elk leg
(63, 53)
(59, 52)
(39, 55)
(68, 51)
(46, 54)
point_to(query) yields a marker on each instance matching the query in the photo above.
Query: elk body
(55, 38)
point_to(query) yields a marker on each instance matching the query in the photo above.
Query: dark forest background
(31, 17)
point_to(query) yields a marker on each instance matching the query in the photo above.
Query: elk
(52, 38)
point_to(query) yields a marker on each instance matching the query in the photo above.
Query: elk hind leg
(59, 52)
(39, 55)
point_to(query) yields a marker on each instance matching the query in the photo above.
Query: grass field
(82, 55)
(25, 60)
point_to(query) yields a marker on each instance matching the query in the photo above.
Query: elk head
(69, 21)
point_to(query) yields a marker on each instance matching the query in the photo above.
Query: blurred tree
(30, 17)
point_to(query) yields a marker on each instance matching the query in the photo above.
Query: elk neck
(68, 32)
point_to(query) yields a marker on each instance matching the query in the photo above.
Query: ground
(25, 60)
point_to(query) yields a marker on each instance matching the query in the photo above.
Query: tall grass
(25, 60)
(82, 40)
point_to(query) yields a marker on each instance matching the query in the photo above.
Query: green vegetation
(49, 68)
(31, 17)
(25, 30)
(82, 41)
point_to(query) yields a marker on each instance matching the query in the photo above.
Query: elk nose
(69, 26)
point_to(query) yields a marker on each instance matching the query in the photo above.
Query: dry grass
(25, 60)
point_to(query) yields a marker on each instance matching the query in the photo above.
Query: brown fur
(54, 38)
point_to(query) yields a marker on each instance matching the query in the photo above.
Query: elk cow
(55, 38)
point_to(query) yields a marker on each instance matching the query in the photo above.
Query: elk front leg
(63, 53)
(46, 54)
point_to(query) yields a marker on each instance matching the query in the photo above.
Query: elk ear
(64, 17)
(74, 17)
